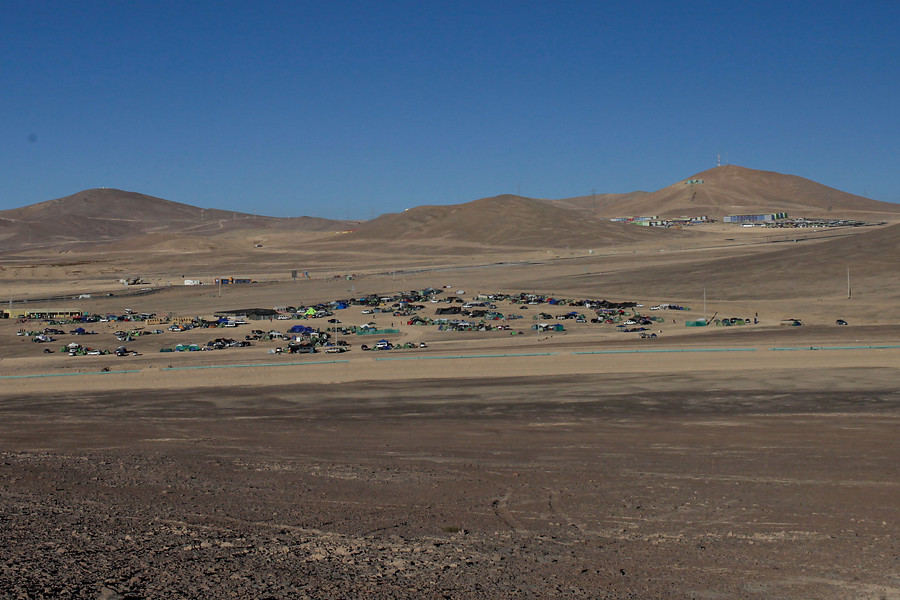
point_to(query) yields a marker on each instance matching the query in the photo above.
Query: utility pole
(848, 282)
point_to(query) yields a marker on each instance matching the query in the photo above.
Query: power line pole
(848, 282)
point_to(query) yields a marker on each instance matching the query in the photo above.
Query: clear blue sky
(352, 109)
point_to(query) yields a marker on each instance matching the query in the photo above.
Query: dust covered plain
(705, 463)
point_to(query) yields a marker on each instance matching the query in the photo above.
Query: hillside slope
(505, 220)
(806, 269)
(737, 190)
(730, 190)
(107, 215)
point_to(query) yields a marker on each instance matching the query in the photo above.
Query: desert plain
(752, 461)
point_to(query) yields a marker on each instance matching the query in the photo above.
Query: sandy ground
(571, 486)
(748, 462)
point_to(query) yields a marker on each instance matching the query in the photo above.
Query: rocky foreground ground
(533, 488)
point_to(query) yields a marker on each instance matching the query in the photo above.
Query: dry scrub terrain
(682, 471)
(525, 487)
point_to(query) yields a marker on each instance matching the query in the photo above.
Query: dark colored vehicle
(301, 349)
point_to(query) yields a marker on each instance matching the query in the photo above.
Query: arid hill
(602, 205)
(506, 220)
(515, 221)
(107, 215)
(730, 190)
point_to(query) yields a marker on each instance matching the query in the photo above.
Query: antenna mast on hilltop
(718, 159)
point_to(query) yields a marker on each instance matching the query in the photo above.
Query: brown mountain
(731, 190)
(107, 214)
(584, 221)
(601, 205)
(505, 220)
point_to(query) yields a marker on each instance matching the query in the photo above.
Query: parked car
(301, 349)
(840, 322)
